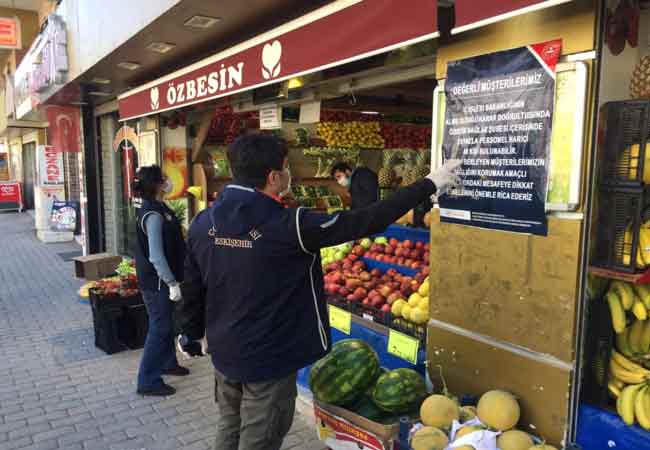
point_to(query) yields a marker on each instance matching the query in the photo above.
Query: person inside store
(254, 284)
(159, 258)
(362, 183)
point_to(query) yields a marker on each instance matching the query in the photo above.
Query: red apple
(419, 245)
(375, 272)
(385, 308)
(425, 256)
(407, 244)
(392, 272)
(393, 297)
(366, 302)
(358, 250)
(365, 276)
(420, 277)
(400, 261)
(380, 258)
(389, 250)
(344, 292)
(347, 265)
(360, 292)
(425, 271)
(416, 265)
(399, 251)
(352, 257)
(385, 290)
(377, 301)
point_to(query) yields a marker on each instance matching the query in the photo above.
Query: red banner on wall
(10, 193)
(63, 131)
(338, 33)
(470, 15)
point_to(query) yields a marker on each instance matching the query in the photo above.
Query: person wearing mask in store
(254, 284)
(159, 258)
(362, 183)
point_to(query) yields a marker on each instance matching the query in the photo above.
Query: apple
(408, 262)
(375, 272)
(344, 292)
(352, 257)
(366, 302)
(389, 250)
(400, 261)
(394, 242)
(385, 308)
(419, 245)
(366, 243)
(386, 290)
(350, 298)
(377, 301)
(365, 276)
(347, 265)
(393, 297)
(416, 265)
(360, 292)
(419, 277)
(374, 248)
(425, 256)
(425, 271)
(358, 250)
(407, 244)
(399, 251)
(381, 240)
(380, 258)
(395, 285)
(392, 272)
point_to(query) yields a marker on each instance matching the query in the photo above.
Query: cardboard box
(341, 429)
(95, 267)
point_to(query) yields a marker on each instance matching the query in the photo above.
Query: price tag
(340, 319)
(368, 317)
(403, 346)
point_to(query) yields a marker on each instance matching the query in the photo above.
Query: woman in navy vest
(160, 253)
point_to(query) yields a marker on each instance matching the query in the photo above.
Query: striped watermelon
(345, 374)
(399, 391)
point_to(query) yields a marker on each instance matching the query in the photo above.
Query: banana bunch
(629, 384)
(643, 252)
(623, 297)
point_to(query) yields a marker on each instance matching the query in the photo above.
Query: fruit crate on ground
(625, 153)
(120, 323)
(621, 234)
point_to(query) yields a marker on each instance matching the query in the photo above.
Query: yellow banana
(639, 311)
(625, 293)
(628, 398)
(643, 290)
(627, 376)
(641, 408)
(645, 338)
(614, 390)
(623, 343)
(616, 310)
(636, 332)
(616, 382)
(627, 364)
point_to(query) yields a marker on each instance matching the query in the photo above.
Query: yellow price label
(403, 346)
(340, 319)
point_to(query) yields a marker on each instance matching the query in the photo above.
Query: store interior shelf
(635, 278)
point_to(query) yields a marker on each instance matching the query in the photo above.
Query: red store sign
(469, 15)
(10, 196)
(341, 32)
(50, 166)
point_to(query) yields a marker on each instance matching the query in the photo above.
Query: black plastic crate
(339, 302)
(99, 300)
(626, 127)
(621, 211)
(371, 313)
(409, 328)
(110, 330)
(136, 326)
(598, 350)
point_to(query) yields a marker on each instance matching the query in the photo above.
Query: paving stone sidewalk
(57, 391)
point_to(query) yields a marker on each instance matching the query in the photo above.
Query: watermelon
(342, 377)
(399, 391)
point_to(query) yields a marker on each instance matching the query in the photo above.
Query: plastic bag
(480, 440)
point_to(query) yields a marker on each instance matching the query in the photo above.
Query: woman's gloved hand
(190, 349)
(445, 177)
(175, 294)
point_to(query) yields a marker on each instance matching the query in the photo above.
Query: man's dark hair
(253, 157)
(340, 167)
(147, 181)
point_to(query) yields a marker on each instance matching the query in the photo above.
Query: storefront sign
(340, 319)
(63, 131)
(10, 196)
(175, 168)
(271, 118)
(469, 16)
(403, 346)
(498, 120)
(4, 167)
(341, 32)
(50, 166)
(10, 33)
(43, 69)
(147, 148)
(64, 216)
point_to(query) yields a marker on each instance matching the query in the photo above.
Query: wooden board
(517, 288)
(474, 367)
(573, 22)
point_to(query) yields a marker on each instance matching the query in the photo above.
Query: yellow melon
(439, 411)
(429, 438)
(467, 413)
(467, 430)
(419, 316)
(514, 440)
(499, 410)
(465, 447)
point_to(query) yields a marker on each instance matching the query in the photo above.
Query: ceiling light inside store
(129, 65)
(373, 113)
(160, 47)
(202, 22)
(101, 80)
(100, 93)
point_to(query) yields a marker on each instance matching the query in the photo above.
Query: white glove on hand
(445, 177)
(190, 349)
(175, 292)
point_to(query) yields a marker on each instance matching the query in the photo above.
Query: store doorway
(29, 174)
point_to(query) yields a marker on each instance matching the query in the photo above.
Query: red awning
(338, 33)
(472, 14)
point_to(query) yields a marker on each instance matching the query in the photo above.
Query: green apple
(366, 243)
(381, 240)
(339, 256)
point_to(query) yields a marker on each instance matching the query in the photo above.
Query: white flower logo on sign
(271, 55)
(155, 98)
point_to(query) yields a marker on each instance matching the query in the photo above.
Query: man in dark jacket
(254, 284)
(361, 182)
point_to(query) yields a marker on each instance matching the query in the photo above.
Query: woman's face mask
(167, 186)
(344, 181)
(287, 191)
